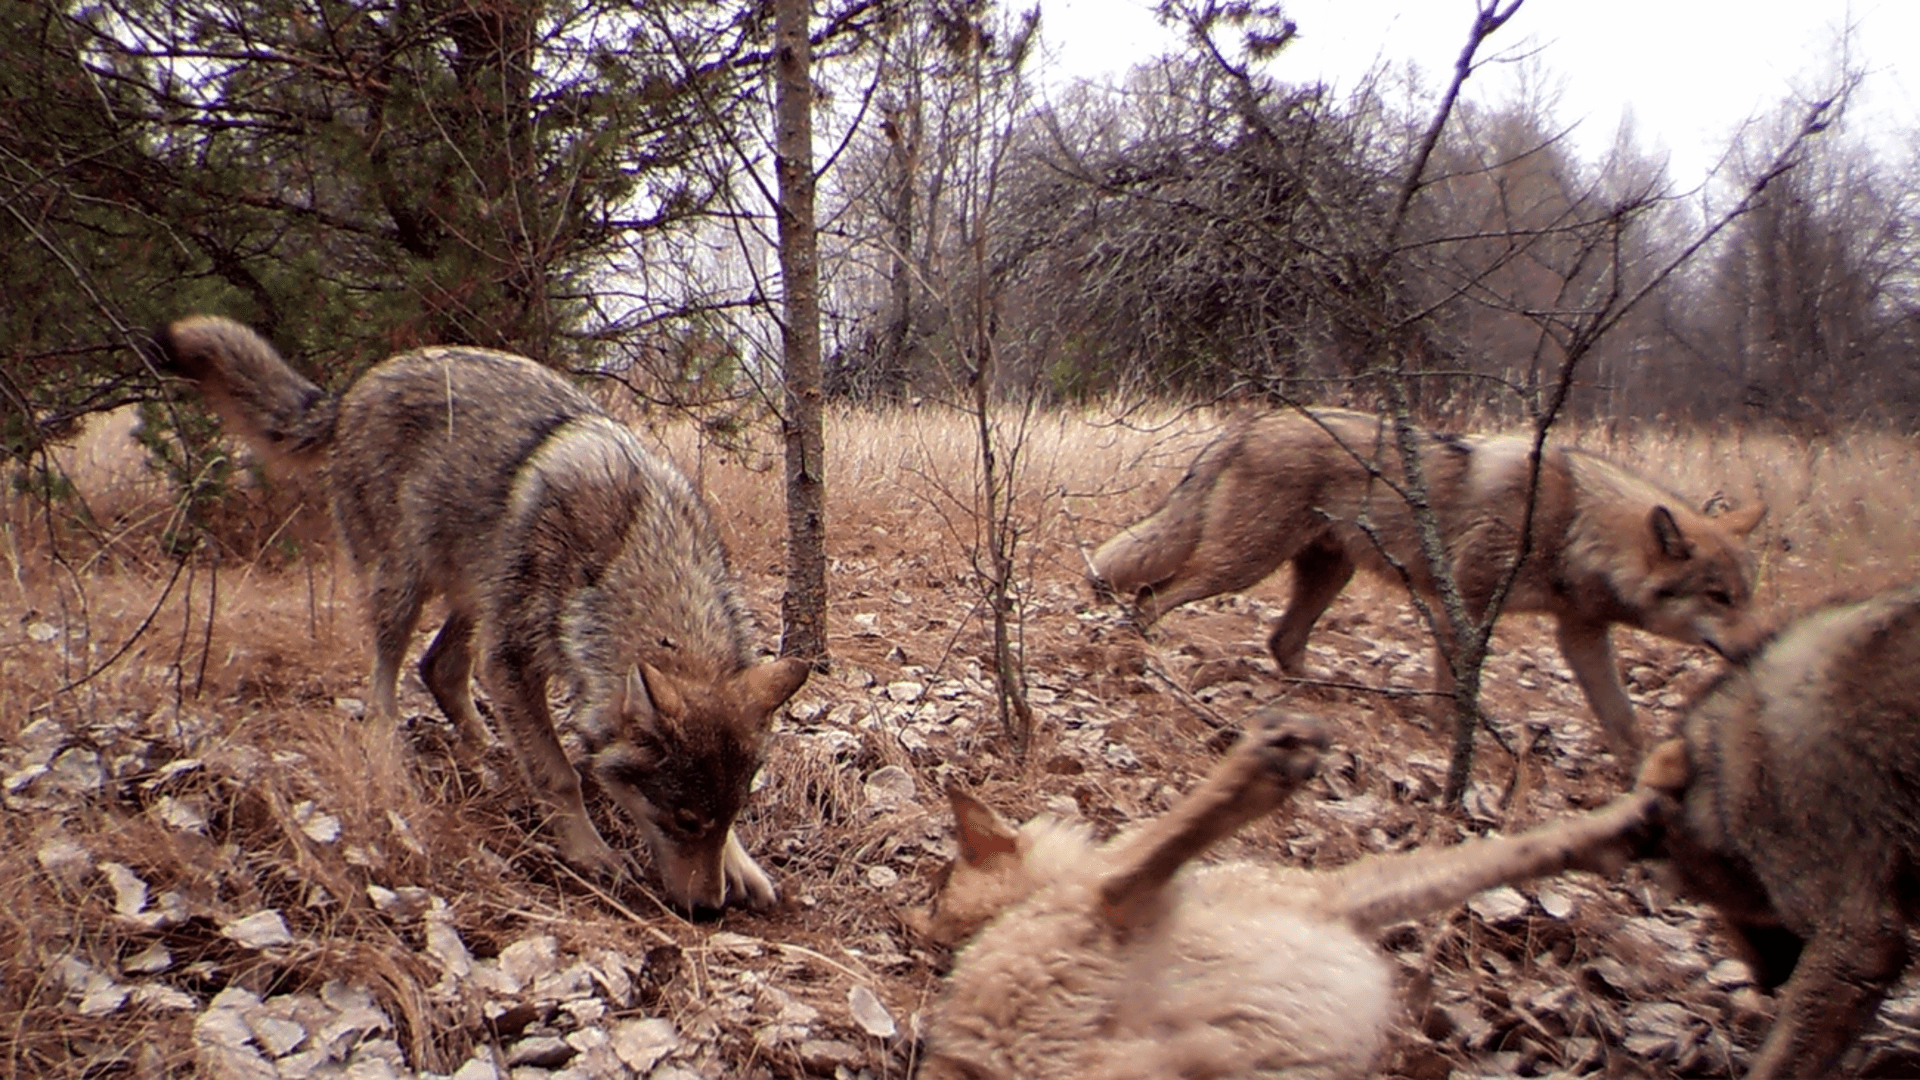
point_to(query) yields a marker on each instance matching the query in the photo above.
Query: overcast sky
(1689, 70)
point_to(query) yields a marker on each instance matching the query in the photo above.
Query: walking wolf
(1314, 489)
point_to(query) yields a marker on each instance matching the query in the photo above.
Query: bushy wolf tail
(254, 392)
(1153, 549)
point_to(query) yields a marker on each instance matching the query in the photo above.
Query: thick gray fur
(563, 549)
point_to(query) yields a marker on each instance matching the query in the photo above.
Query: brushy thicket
(225, 687)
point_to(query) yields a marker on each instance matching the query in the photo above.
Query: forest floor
(209, 865)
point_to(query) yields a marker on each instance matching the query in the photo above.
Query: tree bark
(803, 610)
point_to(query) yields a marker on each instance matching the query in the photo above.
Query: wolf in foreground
(564, 549)
(1607, 546)
(1801, 823)
(1109, 962)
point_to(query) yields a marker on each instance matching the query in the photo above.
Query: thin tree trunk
(803, 610)
(1016, 713)
(903, 155)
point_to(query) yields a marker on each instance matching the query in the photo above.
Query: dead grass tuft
(205, 737)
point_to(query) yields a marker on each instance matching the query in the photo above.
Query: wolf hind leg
(1773, 952)
(1278, 753)
(1229, 557)
(393, 608)
(1838, 985)
(1320, 571)
(447, 669)
(1386, 889)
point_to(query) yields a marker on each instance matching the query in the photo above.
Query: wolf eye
(1721, 597)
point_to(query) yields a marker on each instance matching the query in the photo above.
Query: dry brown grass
(246, 667)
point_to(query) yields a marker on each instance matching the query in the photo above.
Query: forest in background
(596, 187)
(733, 213)
(592, 186)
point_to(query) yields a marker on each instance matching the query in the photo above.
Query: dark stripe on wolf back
(542, 433)
(493, 488)
(533, 566)
(527, 629)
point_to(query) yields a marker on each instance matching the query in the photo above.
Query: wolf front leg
(520, 700)
(1278, 753)
(1590, 654)
(1843, 975)
(744, 876)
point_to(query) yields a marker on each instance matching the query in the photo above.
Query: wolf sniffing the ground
(1801, 822)
(1098, 962)
(564, 549)
(1318, 489)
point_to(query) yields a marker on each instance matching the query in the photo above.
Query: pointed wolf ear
(1741, 522)
(649, 695)
(1666, 533)
(768, 686)
(982, 833)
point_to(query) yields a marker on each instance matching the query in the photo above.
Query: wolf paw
(755, 889)
(1287, 744)
(1667, 769)
(583, 850)
(746, 882)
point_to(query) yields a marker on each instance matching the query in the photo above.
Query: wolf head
(1696, 583)
(680, 762)
(998, 866)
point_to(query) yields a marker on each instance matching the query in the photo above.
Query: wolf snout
(701, 900)
(1735, 645)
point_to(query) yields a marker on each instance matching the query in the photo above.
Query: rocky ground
(212, 867)
(252, 959)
